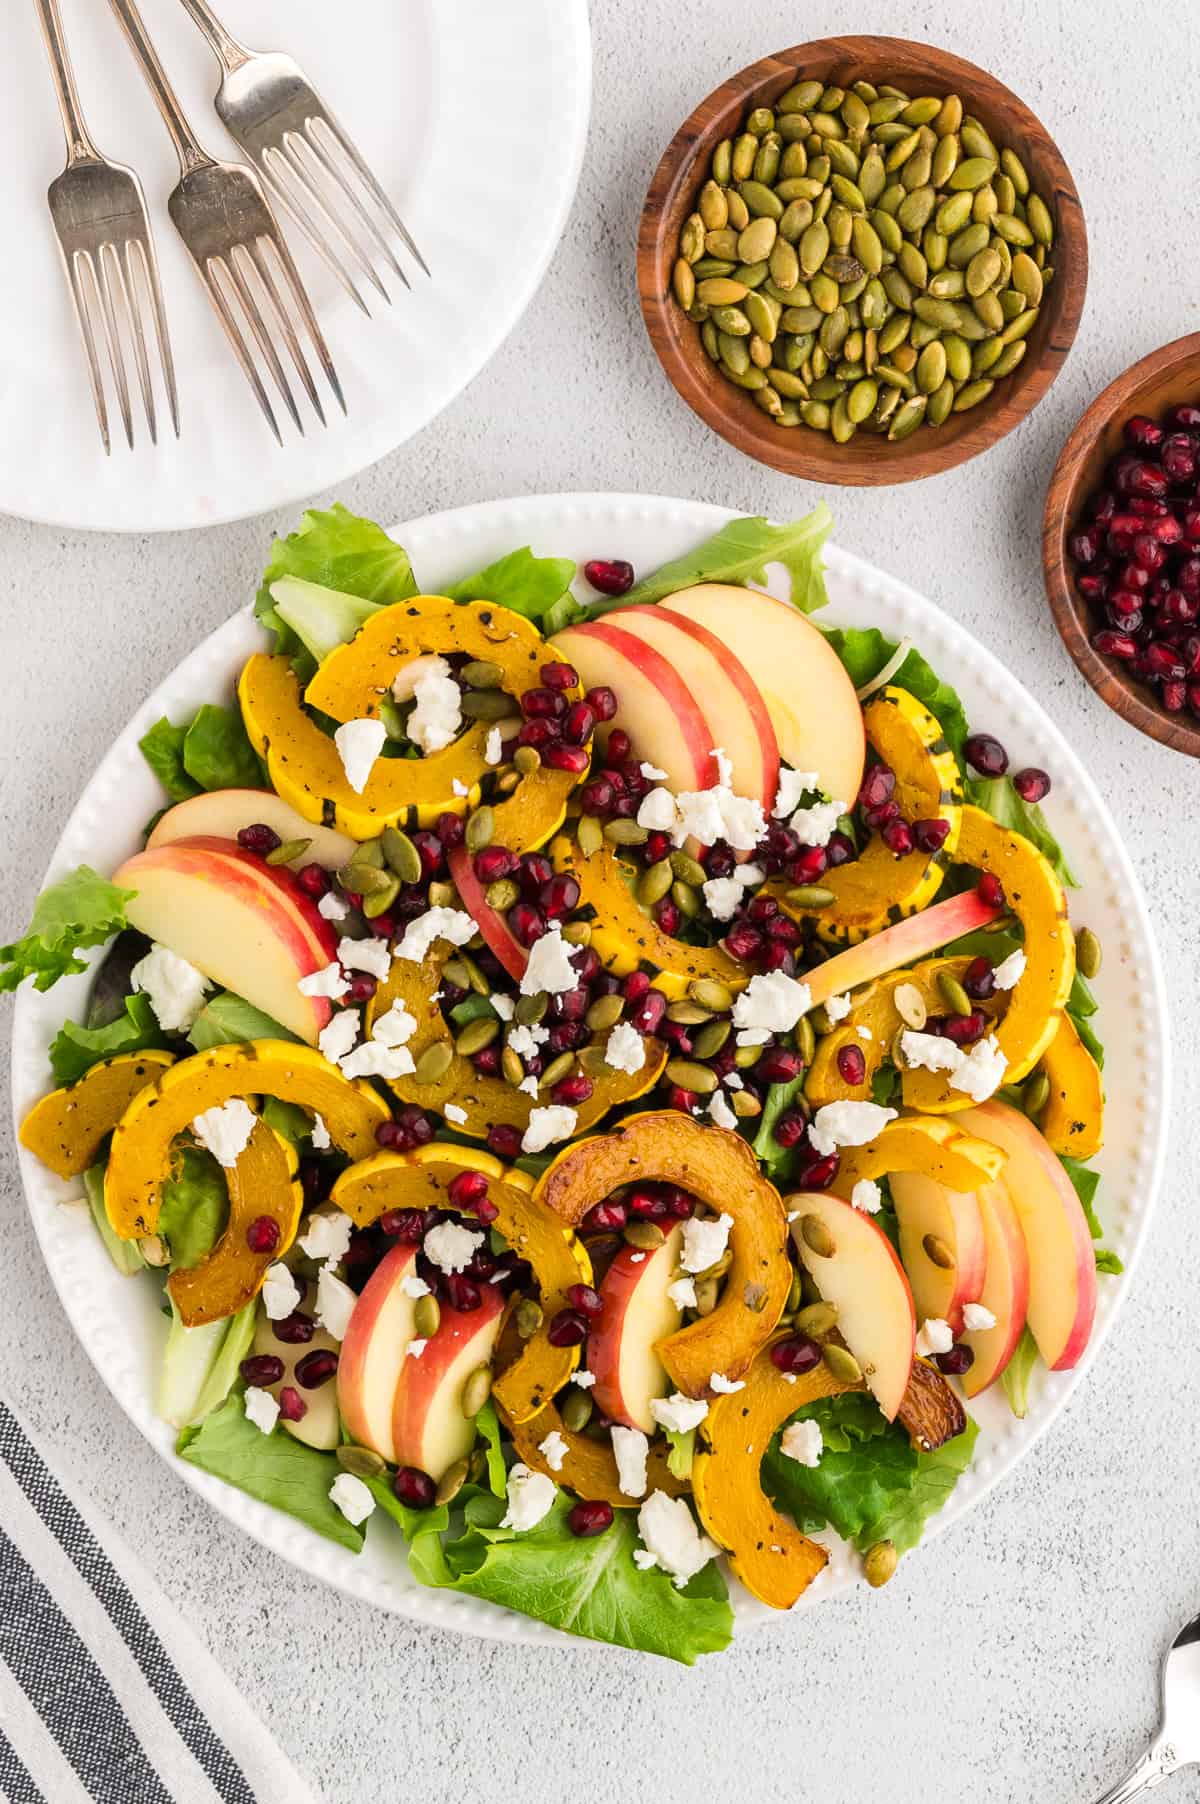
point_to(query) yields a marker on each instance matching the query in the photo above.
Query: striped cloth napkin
(105, 1694)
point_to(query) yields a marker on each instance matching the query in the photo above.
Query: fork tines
(114, 290)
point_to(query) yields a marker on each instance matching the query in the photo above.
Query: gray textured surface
(1015, 1657)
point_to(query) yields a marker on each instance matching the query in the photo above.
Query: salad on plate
(602, 1082)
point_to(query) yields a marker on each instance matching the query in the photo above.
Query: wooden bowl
(1162, 380)
(801, 451)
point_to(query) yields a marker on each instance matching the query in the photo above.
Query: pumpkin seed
(427, 1316)
(486, 704)
(1035, 1095)
(879, 1563)
(590, 834)
(476, 1035)
(816, 1319)
(475, 977)
(938, 1253)
(402, 856)
(1089, 954)
(604, 1013)
(654, 883)
(709, 1041)
(529, 1317)
(691, 238)
(479, 829)
(801, 98)
(972, 395)
(363, 1462)
(707, 1292)
(433, 1064)
(556, 1070)
(805, 1037)
(576, 1410)
(1041, 225)
(511, 1067)
(685, 899)
(476, 1391)
(644, 1234)
(452, 1481)
(816, 1236)
(530, 1011)
(688, 1013)
(154, 1250)
(731, 320)
(501, 895)
(841, 1362)
(577, 933)
(527, 759)
(1012, 229)
(972, 173)
(688, 1075)
(711, 993)
(363, 879)
(481, 673)
(289, 850)
(382, 899)
(719, 1266)
(739, 213)
(953, 994)
(910, 1005)
(712, 206)
(626, 833)
(721, 291)
(745, 1105)
(810, 895)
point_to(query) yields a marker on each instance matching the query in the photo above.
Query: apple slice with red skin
(492, 926)
(865, 1280)
(638, 1313)
(1062, 1262)
(902, 944)
(373, 1352)
(736, 714)
(1005, 1291)
(245, 923)
(429, 1429)
(318, 1426)
(926, 1212)
(655, 706)
(222, 813)
(813, 707)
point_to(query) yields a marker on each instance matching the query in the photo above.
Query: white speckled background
(1014, 1658)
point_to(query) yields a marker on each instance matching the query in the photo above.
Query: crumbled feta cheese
(526, 1040)
(977, 1317)
(683, 1293)
(332, 907)
(722, 896)
(493, 747)
(437, 715)
(374, 1059)
(415, 1348)
(225, 1130)
(817, 825)
(929, 1052)
(352, 1497)
(412, 1286)
(583, 1378)
(671, 1538)
(452, 1112)
(175, 988)
(657, 811)
(549, 966)
(724, 767)
(802, 1442)
(771, 1003)
(529, 1084)
(733, 1080)
(547, 1125)
(704, 1240)
(458, 788)
(554, 1450)
(630, 1450)
(404, 683)
(678, 1413)
(320, 1135)
(935, 1337)
(867, 1196)
(395, 1027)
(335, 1303)
(847, 1124)
(359, 743)
(652, 773)
(792, 785)
(328, 1236)
(451, 1246)
(720, 1113)
(450, 924)
(280, 1292)
(504, 1006)
(837, 1007)
(725, 1387)
(365, 955)
(864, 1033)
(261, 1408)
(530, 1497)
(1010, 970)
(982, 1070)
(637, 1258)
(625, 1050)
(329, 981)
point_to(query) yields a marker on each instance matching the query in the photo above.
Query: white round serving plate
(473, 116)
(118, 1321)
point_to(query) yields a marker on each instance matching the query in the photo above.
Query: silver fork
(272, 110)
(226, 223)
(99, 213)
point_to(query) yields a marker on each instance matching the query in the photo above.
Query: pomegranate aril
(573, 1090)
(449, 829)
(362, 986)
(578, 724)
(604, 1218)
(656, 848)
(295, 1329)
(719, 861)
(526, 923)
(784, 930)
(486, 1061)
(597, 797)
(259, 838)
(979, 979)
(414, 1488)
(790, 1128)
(667, 915)
(809, 863)
(313, 880)
(744, 941)
(503, 1140)
(1115, 645)
(465, 1190)
(559, 676)
(1178, 457)
(964, 1030)
(880, 815)
(990, 890)
(852, 1065)
(930, 835)
(262, 1236)
(818, 1174)
(1123, 602)
(316, 1368)
(839, 849)
(619, 746)
(462, 1293)
(986, 755)
(494, 862)
(1085, 544)
(538, 734)
(635, 986)
(542, 704)
(559, 896)
(877, 786)
(681, 1099)
(680, 1206)
(1142, 433)
(897, 837)
(1174, 694)
(602, 701)
(1137, 477)
(569, 1328)
(954, 1363)
(587, 1301)
(779, 1065)
(1032, 784)
(612, 576)
(433, 857)
(566, 757)
(587, 1518)
(1148, 553)
(797, 1355)
(261, 1369)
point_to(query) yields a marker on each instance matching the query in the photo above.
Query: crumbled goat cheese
(867, 1196)
(175, 988)
(683, 1293)
(771, 1003)
(225, 1131)
(976, 1317)
(720, 1113)
(330, 981)
(493, 747)
(817, 825)
(530, 1497)
(458, 788)
(1010, 970)
(671, 1539)
(721, 897)
(280, 1292)
(359, 743)
(529, 1084)
(352, 1497)
(802, 1442)
(935, 1337)
(547, 1125)
(652, 773)
(395, 1027)
(630, 1450)
(373, 1059)
(584, 1379)
(792, 785)
(982, 1070)
(929, 1052)
(415, 1348)
(414, 1287)
(450, 924)
(365, 955)
(504, 1006)
(452, 1112)
(625, 1050)
(526, 1040)
(335, 1303)
(320, 1135)
(864, 1033)
(261, 1408)
(733, 1080)
(549, 966)
(404, 683)
(704, 1240)
(837, 1008)
(331, 907)
(554, 1450)
(723, 1386)
(437, 716)
(451, 1246)
(328, 1236)
(657, 811)
(678, 1413)
(847, 1124)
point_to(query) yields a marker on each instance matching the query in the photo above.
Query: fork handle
(229, 52)
(79, 142)
(191, 152)
(1156, 1764)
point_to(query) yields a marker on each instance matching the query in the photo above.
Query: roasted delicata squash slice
(935, 1148)
(66, 1129)
(1036, 1002)
(588, 1467)
(766, 1550)
(880, 887)
(263, 1182)
(624, 936)
(421, 1180)
(1073, 1118)
(140, 1159)
(719, 1168)
(486, 1101)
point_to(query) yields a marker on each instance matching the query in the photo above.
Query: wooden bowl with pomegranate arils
(867, 459)
(1167, 378)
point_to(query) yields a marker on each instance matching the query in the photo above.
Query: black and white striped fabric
(105, 1694)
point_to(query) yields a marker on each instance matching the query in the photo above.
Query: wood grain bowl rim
(1064, 502)
(801, 452)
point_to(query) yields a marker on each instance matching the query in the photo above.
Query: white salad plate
(472, 115)
(118, 1320)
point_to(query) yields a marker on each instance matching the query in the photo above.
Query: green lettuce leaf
(217, 753)
(1086, 1182)
(288, 1119)
(864, 651)
(488, 1424)
(777, 1161)
(162, 748)
(587, 1587)
(224, 1371)
(227, 1018)
(195, 1206)
(740, 553)
(412, 1522)
(523, 583)
(998, 797)
(1018, 1372)
(76, 1049)
(123, 1253)
(337, 550)
(78, 911)
(683, 1451)
(275, 1468)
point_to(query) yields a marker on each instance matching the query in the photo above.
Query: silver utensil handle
(229, 52)
(1155, 1765)
(79, 142)
(191, 153)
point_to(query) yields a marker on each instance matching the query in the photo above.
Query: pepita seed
(816, 1236)
(479, 829)
(688, 1075)
(501, 895)
(816, 1319)
(556, 1070)
(685, 897)
(382, 899)
(805, 1037)
(577, 933)
(1089, 954)
(528, 1317)
(910, 1006)
(402, 856)
(604, 1013)
(810, 895)
(841, 1362)
(707, 1292)
(1035, 1095)
(476, 1035)
(481, 673)
(288, 851)
(476, 1391)
(644, 1234)
(688, 1013)
(590, 834)
(511, 1067)
(154, 1250)
(719, 1267)
(452, 1481)
(879, 1563)
(938, 1253)
(709, 1041)
(745, 1105)
(363, 879)
(953, 994)
(626, 832)
(363, 1462)
(576, 1410)
(427, 1316)
(530, 1011)
(486, 704)
(476, 979)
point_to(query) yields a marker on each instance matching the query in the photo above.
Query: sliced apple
(318, 1426)
(429, 1429)
(491, 925)
(222, 813)
(246, 924)
(1005, 1291)
(736, 714)
(1062, 1263)
(815, 712)
(622, 1349)
(655, 706)
(373, 1352)
(942, 1245)
(863, 1277)
(900, 945)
